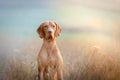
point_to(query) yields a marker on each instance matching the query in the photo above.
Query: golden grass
(89, 59)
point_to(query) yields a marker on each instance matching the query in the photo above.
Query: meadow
(86, 57)
(89, 43)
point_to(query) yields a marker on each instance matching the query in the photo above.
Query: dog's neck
(49, 46)
(48, 43)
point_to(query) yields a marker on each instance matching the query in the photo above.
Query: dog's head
(49, 30)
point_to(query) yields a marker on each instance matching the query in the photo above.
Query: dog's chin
(50, 38)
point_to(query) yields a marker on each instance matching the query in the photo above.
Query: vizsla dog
(50, 62)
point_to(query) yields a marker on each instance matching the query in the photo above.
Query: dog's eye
(53, 26)
(45, 26)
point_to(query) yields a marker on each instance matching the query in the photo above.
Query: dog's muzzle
(50, 30)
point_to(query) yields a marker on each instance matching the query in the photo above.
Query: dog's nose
(49, 31)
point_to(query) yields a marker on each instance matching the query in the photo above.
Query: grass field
(86, 57)
(89, 42)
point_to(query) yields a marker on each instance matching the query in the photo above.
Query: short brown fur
(50, 62)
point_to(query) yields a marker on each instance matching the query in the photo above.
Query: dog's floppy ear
(58, 30)
(40, 31)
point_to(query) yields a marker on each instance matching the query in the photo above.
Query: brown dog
(50, 62)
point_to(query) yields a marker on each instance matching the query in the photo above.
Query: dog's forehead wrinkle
(48, 23)
(51, 23)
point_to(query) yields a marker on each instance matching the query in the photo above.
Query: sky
(22, 17)
(106, 4)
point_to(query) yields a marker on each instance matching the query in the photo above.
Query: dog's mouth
(50, 37)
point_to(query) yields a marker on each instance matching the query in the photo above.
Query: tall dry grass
(87, 59)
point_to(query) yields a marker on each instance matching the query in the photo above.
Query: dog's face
(49, 30)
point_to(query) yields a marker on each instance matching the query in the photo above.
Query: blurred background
(87, 25)
(19, 17)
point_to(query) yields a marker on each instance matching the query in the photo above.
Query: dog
(50, 62)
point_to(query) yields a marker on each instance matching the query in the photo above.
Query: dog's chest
(48, 57)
